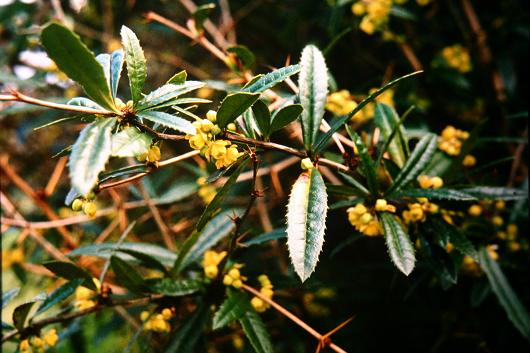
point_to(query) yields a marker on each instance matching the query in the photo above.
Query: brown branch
(56, 175)
(407, 51)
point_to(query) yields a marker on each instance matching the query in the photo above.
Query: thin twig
(56, 175)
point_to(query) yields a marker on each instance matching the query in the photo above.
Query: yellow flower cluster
(451, 140)
(375, 14)
(233, 277)
(206, 191)
(340, 102)
(366, 222)
(418, 211)
(223, 152)
(151, 156)
(157, 322)
(87, 205)
(84, 297)
(36, 344)
(457, 57)
(12, 256)
(210, 262)
(266, 290)
(427, 182)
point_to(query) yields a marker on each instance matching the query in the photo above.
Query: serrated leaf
(436, 194)
(496, 193)
(306, 222)
(71, 272)
(186, 337)
(398, 243)
(416, 163)
(73, 58)
(256, 332)
(367, 164)
(179, 78)
(167, 95)
(84, 102)
(313, 85)
(9, 295)
(285, 116)
(170, 121)
(136, 63)
(130, 142)
(387, 120)
(232, 309)
(116, 66)
(105, 250)
(59, 294)
(90, 153)
(262, 117)
(339, 122)
(126, 275)
(275, 234)
(172, 287)
(233, 106)
(264, 82)
(509, 300)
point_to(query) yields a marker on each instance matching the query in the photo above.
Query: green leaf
(256, 332)
(104, 61)
(398, 243)
(245, 56)
(178, 191)
(233, 106)
(172, 287)
(170, 121)
(264, 82)
(167, 95)
(22, 311)
(306, 222)
(59, 294)
(127, 275)
(338, 123)
(145, 260)
(232, 309)
(496, 193)
(74, 59)
(131, 169)
(449, 232)
(362, 191)
(185, 339)
(366, 162)
(200, 15)
(130, 142)
(179, 78)
(136, 63)
(387, 119)
(71, 272)
(105, 250)
(262, 117)
(275, 234)
(9, 295)
(285, 116)
(517, 313)
(313, 84)
(116, 66)
(436, 194)
(84, 102)
(215, 230)
(90, 153)
(418, 160)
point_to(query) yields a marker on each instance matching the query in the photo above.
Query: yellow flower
(367, 26)
(24, 345)
(475, 210)
(51, 337)
(230, 156)
(210, 261)
(197, 142)
(358, 8)
(233, 277)
(497, 220)
(258, 304)
(457, 57)
(469, 161)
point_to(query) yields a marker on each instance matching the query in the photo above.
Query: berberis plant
(387, 181)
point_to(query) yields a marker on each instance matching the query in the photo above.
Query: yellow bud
(475, 210)
(37, 342)
(497, 220)
(358, 8)
(306, 164)
(227, 280)
(144, 315)
(424, 181)
(153, 155)
(77, 205)
(24, 344)
(469, 161)
(512, 229)
(211, 271)
(166, 313)
(211, 115)
(234, 273)
(366, 218)
(258, 304)
(449, 247)
(231, 127)
(437, 182)
(237, 283)
(514, 246)
(90, 209)
(51, 337)
(500, 205)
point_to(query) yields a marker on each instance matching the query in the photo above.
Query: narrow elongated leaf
(116, 65)
(232, 309)
(74, 59)
(179, 78)
(263, 117)
(285, 116)
(233, 106)
(136, 63)
(104, 61)
(367, 164)
(187, 335)
(437, 194)
(509, 300)
(126, 275)
(130, 142)
(59, 294)
(146, 260)
(71, 272)
(357, 185)
(256, 332)
(168, 120)
(306, 222)
(90, 153)
(398, 243)
(167, 95)
(84, 102)
(275, 234)
(339, 122)
(313, 84)
(496, 193)
(269, 80)
(387, 120)
(449, 232)
(172, 287)
(9, 295)
(418, 160)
